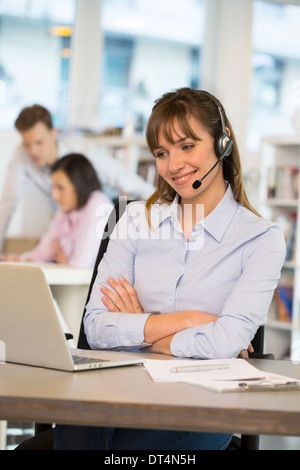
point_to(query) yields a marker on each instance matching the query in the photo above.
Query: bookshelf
(280, 201)
(132, 151)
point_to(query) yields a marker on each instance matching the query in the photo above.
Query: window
(275, 90)
(149, 47)
(34, 57)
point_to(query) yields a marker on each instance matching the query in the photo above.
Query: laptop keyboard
(85, 360)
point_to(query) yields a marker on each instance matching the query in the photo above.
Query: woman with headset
(192, 271)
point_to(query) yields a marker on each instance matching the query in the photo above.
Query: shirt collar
(216, 223)
(161, 212)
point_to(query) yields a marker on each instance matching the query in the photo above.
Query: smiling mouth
(37, 160)
(182, 179)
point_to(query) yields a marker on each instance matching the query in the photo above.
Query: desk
(96, 398)
(59, 274)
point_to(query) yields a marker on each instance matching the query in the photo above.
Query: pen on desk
(200, 368)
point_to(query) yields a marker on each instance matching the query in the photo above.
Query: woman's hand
(244, 353)
(11, 257)
(122, 297)
(58, 254)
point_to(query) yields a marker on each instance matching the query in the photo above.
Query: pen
(267, 386)
(200, 368)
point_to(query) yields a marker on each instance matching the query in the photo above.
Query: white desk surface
(58, 274)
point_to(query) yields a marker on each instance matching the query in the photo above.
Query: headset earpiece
(223, 141)
(221, 144)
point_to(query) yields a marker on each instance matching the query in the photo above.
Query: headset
(223, 143)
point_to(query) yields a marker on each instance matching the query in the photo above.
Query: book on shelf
(283, 182)
(288, 224)
(147, 170)
(283, 297)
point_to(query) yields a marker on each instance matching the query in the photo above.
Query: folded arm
(159, 329)
(122, 297)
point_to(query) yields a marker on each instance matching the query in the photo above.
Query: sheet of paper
(238, 369)
(218, 380)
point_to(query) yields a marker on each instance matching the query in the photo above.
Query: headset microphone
(223, 143)
(227, 152)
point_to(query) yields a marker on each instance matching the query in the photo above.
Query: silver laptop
(30, 330)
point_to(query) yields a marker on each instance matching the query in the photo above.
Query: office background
(98, 65)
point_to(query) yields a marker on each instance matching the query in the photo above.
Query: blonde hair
(181, 105)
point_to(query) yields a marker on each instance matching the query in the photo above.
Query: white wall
(16, 39)
(146, 54)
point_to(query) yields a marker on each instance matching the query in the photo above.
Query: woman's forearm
(162, 346)
(122, 297)
(160, 326)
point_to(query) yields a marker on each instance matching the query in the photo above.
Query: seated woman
(190, 273)
(77, 227)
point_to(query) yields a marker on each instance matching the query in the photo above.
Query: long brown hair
(181, 105)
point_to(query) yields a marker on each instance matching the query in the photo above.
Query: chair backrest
(119, 209)
(258, 340)
(116, 213)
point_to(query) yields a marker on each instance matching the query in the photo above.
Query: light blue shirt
(229, 267)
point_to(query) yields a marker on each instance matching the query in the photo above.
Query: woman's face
(187, 160)
(63, 191)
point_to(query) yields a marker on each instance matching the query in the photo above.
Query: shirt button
(104, 345)
(127, 343)
(137, 341)
(180, 353)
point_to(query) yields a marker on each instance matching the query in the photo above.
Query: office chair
(118, 211)
(44, 434)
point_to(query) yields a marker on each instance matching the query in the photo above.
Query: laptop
(30, 329)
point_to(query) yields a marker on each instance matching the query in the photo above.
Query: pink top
(79, 233)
